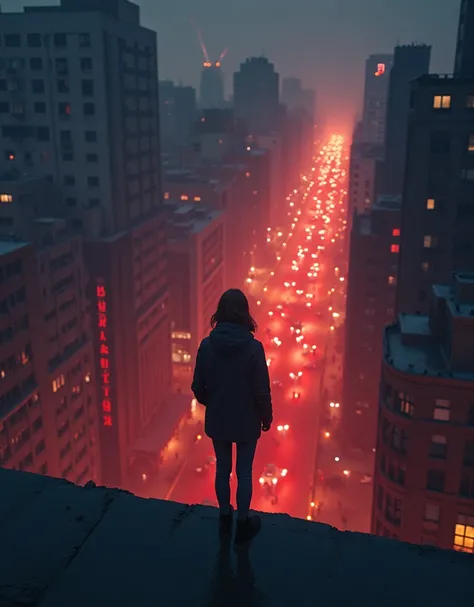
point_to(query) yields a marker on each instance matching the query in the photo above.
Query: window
(89, 109)
(86, 64)
(442, 102)
(6, 198)
(4, 107)
(404, 404)
(64, 109)
(91, 157)
(470, 143)
(441, 410)
(464, 534)
(37, 86)
(432, 513)
(42, 133)
(438, 446)
(93, 182)
(60, 40)
(425, 266)
(435, 480)
(69, 180)
(36, 63)
(40, 447)
(468, 455)
(84, 40)
(395, 248)
(58, 383)
(466, 485)
(427, 241)
(61, 66)
(440, 142)
(40, 107)
(33, 40)
(467, 174)
(393, 509)
(470, 102)
(94, 202)
(71, 202)
(87, 87)
(63, 85)
(12, 40)
(430, 204)
(90, 136)
(65, 136)
(395, 232)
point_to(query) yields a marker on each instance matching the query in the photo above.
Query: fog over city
(236, 302)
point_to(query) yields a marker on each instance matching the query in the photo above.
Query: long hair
(233, 307)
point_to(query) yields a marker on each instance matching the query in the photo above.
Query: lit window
(430, 204)
(427, 242)
(184, 197)
(470, 101)
(425, 266)
(166, 195)
(395, 232)
(392, 280)
(58, 383)
(442, 410)
(395, 248)
(470, 144)
(442, 102)
(6, 198)
(464, 534)
(197, 199)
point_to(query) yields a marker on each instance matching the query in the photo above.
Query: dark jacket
(231, 380)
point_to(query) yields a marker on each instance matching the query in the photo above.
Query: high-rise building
(364, 160)
(464, 59)
(256, 95)
(81, 104)
(370, 304)
(377, 72)
(437, 213)
(178, 111)
(211, 87)
(409, 62)
(424, 473)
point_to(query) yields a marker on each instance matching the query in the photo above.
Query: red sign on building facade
(104, 355)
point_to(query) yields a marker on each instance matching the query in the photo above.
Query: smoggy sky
(324, 42)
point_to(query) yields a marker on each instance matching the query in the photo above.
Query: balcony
(67, 545)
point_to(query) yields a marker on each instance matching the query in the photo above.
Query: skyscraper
(178, 110)
(211, 88)
(256, 95)
(410, 62)
(464, 59)
(377, 72)
(81, 93)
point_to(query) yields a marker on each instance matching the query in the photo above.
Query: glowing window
(442, 102)
(430, 204)
(166, 195)
(470, 144)
(395, 248)
(6, 198)
(428, 242)
(395, 232)
(464, 534)
(392, 280)
(470, 101)
(197, 199)
(184, 197)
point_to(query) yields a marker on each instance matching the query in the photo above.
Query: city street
(298, 304)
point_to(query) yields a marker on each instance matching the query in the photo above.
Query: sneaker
(225, 522)
(248, 528)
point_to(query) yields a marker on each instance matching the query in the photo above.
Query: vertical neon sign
(104, 354)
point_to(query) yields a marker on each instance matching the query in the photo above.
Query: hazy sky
(325, 42)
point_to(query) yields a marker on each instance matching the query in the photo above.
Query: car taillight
(274, 481)
(261, 480)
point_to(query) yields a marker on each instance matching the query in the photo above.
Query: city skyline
(375, 29)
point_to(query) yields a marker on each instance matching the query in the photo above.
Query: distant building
(377, 73)
(409, 62)
(464, 59)
(437, 213)
(370, 305)
(256, 95)
(364, 160)
(178, 112)
(424, 474)
(196, 247)
(211, 87)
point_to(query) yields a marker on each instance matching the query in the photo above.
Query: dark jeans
(245, 455)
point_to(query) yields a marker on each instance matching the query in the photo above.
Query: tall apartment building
(48, 405)
(377, 72)
(424, 474)
(370, 304)
(409, 62)
(364, 161)
(79, 89)
(438, 210)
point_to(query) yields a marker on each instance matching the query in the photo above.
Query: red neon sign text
(380, 69)
(104, 355)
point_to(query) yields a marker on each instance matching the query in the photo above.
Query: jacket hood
(228, 338)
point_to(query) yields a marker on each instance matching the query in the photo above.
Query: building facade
(438, 210)
(370, 304)
(364, 160)
(377, 73)
(424, 473)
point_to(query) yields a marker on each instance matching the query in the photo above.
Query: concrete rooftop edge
(63, 545)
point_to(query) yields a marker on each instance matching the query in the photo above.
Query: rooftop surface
(68, 546)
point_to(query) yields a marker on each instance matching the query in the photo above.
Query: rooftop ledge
(67, 546)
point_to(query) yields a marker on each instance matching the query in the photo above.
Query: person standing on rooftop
(231, 380)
